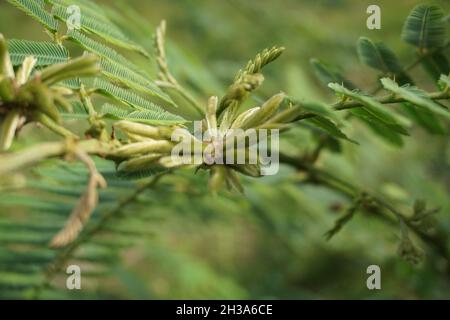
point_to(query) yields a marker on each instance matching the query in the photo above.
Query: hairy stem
(387, 99)
(11, 162)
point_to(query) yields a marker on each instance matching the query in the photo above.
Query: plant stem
(424, 56)
(11, 162)
(56, 128)
(347, 189)
(174, 85)
(387, 99)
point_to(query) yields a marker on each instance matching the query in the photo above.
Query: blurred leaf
(386, 131)
(377, 110)
(415, 96)
(425, 27)
(328, 126)
(426, 119)
(152, 111)
(378, 56)
(327, 74)
(46, 53)
(35, 9)
(436, 64)
(104, 29)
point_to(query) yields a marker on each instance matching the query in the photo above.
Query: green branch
(387, 99)
(11, 162)
(385, 212)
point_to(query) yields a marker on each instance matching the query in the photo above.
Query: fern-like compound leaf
(151, 112)
(35, 9)
(133, 80)
(102, 28)
(115, 112)
(117, 67)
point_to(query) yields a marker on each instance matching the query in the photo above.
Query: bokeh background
(270, 242)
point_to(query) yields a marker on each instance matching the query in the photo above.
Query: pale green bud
(211, 109)
(8, 129)
(6, 89)
(171, 162)
(233, 181)
(287, 115)
(139, 163)
(244, 117)
(6, 68)
(217, 178)
(137, 138)
(87, 65)
(153, 146)
(252, 170)
(137, 128)
(268, 109)
(25, 70)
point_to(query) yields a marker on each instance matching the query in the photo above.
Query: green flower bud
(6, 90)
(139, 163)
(144, 130)
(6, 68)
(25, 70)
(87, 65)
(244, 117)
(8, 129)
(268, 109)
(252, 170)
(153, 146)
(217, 178)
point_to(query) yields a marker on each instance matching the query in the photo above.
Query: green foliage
(100, 27)
(425, 27)
(379, 56)
(61, 187)
(436, 64)
(328, 126)
(46, 53)
(145, 116)
(416, 97)
(326, 74)
(36, 10)
(156, 113)
(39, 192)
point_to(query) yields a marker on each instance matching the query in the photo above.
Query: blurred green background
(269, 243)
